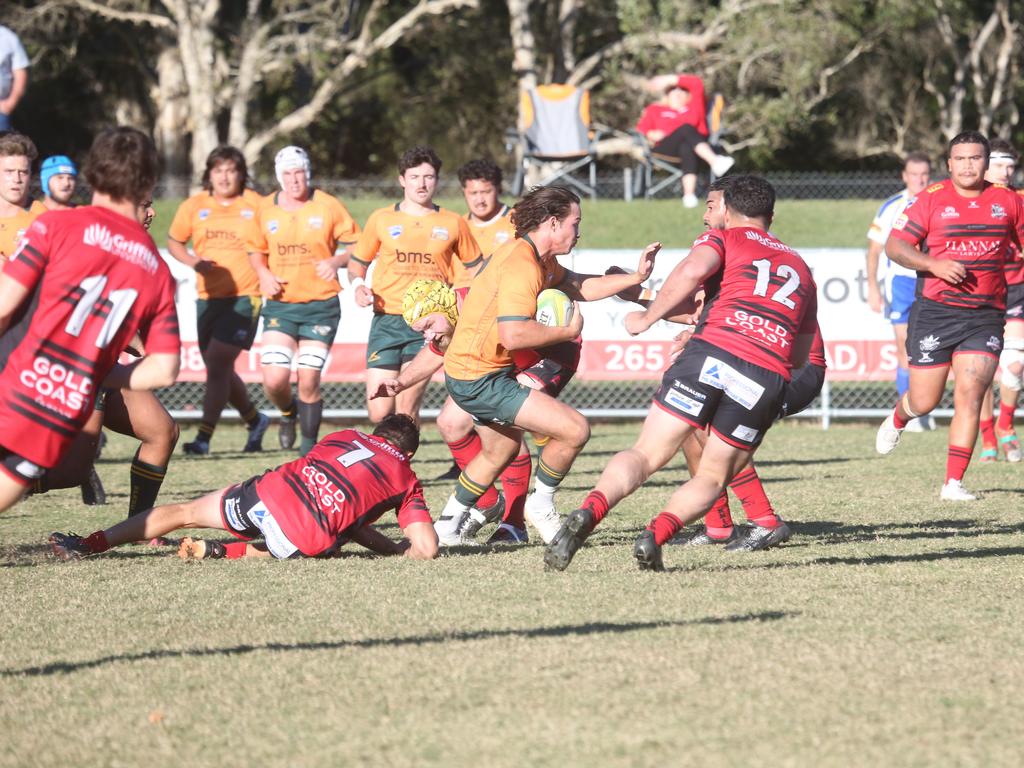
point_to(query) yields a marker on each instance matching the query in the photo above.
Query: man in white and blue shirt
(898, 282)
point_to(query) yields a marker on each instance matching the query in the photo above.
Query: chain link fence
(600, 400)
(616, 185)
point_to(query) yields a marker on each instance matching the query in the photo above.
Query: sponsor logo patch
(927, 345)
(949, 212)
(994, 343)
(747, 434)
(233, 515)
(395, 232)
(682, 402)
(439, 233)
(131, 251)
(316, 222)
(321, 330)
(501, 238)
(900, 222)
(204, 214)
(26, 468)
(272, 226)
(734, 384)
(248, 215)
(998, 212)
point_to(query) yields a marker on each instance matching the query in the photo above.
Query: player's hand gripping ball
(554, 308)
(425, 297)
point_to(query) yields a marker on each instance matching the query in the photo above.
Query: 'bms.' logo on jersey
(928, 345)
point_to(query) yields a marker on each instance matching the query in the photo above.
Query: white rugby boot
(888, 436)
(448, 524)
(540, 513)
(953, 490)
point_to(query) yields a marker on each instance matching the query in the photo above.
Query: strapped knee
(1011, 358)
(276, 355)
(312, 358)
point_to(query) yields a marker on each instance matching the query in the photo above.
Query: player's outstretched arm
(581, 287)
(678, 295)
(375, 541)
(420, 368)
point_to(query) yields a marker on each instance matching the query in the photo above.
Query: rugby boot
(286, 433)
(953, 490)
(197, 447)
(509, 534)
(1011, 447)
(68, 546)
(699, 537)
(754, 538)
(93, 493)
(540, 513)
(449, 524)
(478, 518)
(888, 436)
(570, 537)
(254, 442)
(648, 553)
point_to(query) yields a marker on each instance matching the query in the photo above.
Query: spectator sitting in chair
(676, 126)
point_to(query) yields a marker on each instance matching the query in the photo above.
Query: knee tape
(1011, 358)
(279, 356)
(312, 358)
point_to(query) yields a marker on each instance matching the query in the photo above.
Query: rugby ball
(554, 308)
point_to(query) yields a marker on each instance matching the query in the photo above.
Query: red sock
(515, 482)
(957, 460)
(598, 505)
(665, 526)
(464, 451)
(1006, 411)
(234, 549)
(748, 489)
(988, 433)
(97, 542)
(898, 421)
(718, 521)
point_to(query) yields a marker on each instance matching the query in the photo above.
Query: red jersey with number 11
(976, 231)
(760, 299)
(97, 279)
(347, 481)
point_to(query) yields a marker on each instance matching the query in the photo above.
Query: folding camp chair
(555, 139)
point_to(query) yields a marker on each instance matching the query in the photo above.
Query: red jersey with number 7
(760, 299)
(95, 278)
(347, 481)
(976, 231)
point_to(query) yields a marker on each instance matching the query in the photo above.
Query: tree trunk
(171, 100)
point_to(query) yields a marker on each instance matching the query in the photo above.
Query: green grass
(618, 224)
(887, 632)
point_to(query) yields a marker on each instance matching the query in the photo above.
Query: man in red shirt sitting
(676, 127)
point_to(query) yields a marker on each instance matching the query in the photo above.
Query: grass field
(618, 224)
(887, 632)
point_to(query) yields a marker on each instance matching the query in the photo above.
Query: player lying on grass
(308, 506)
(758, 323)
(432, 309)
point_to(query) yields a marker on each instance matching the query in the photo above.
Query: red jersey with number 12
(760, 299)
(976, 231)
(347, 481)
(98, 279)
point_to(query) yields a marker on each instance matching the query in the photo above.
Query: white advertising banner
(859, 343)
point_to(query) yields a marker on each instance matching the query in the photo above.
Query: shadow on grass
(561, 630)
(919, 557)
(925, 529)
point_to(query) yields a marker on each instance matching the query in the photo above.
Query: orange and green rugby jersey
(410, 248)
(295, 240)
(489, 235)
(12, 228)
(218, 232)
(505, 289)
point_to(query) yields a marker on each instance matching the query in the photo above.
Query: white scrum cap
(289, 158)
